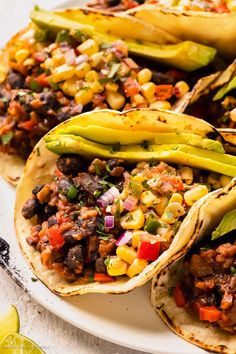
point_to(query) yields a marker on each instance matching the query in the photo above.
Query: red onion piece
(108, 197)
(83, 58)
(130, 203)
(124, 238)
(109, 221)
(70, 57)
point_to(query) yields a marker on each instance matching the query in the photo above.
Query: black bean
(37, 188)
(75, 257)
(52, 221)
(111, 3)
(64, 185)
(68, 237)
(15, 80)
(70, 164)
(50, 210)
(100, 265)
(30, 208)
(159, 78)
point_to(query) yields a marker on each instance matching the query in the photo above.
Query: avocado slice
(110, 136)
(180, 154)
(227, 224)
(225, 89)
(187, 55)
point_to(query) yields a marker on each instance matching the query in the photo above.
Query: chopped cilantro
(80, 36)
(97, 169)
(115, 148)
(108, 168)
(6, 138)
(233, 271)
(97, 193)
(34, 85)
(75, 215)
(205, 248)
(106, 261)
(98, 210)
(103, 235)
(145, 184)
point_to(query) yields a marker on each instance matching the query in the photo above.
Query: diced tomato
(176, 182)
(58, 173)
(103, 278)
(40, 56)
(222, 8)
(163, 92)
(130, 87)
(62, 218)
(179, 296)
(149, 248)
(42, 80)
(209, 313)
(55, 237)
(129, 4)
(27, 125)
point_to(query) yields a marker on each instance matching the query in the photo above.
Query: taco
(105, 200)
(194, 20)
(52, 70)
(195, 296)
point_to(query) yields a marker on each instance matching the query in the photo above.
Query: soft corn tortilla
(217, 30)
(39, 169)
(185, 323)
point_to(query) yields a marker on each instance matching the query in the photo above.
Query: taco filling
(105, 220)
(49, 81)
(209, 284)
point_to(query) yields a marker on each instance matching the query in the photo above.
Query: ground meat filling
(211, 281)
(108, 218)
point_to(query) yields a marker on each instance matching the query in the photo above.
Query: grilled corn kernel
(224, 180)
(88, 47)
(124, 70)
(116, 266)
(63, 72)
(148, 199)
(213, 180)
(172, 213)
(138, 100)
(136, 267)
(136, 237)
(181, 88)
(3, 74)
(159, 104)
(21, 55)
(176, 198)
(126, 253)
(29, 62)
(144, 76)
(148, 90)
(96, 86)
(159, 208)
(84, 96)
(82, 70)
(133, 220)
(96, 59)
(115, 99)
(186, 174)
(58, 60)
(69, 87)
(47, 64)
(91, 76)
(112, 86)
(191, 196)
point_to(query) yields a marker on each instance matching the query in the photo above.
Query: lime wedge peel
(15, 343)
(9, 322)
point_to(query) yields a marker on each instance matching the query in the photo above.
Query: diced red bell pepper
(55, 237)
(103, 278)
(179, 297)
(221, 9)
(209, 313)
(27, 125)
(130, 87)
(42, 80)
(149, 248)
(164, 92)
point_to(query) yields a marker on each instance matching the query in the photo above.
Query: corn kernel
(116, 266)
(133, 220)
(181, 88)
(213, 180)
(115, 99)
(138, 100)
(186, 174)
(82, 70)
(148, 90)
(172, 213)
(96, 86)
(176, 198)
(159, 104)
(148, 199)
(88, 47)
(224, 180)
(126, 253)
(159, 208)
(112, 86)
(194, 194)
(21, 55)
(58, 60)
(84, 96)
(69, 87)
(47, 64)
(91, 76)
(96, 59)
(29, 62)
(136, 237)
(63, 72)
(144, 76)
(124, 70)
(3, 74)
(136, 267)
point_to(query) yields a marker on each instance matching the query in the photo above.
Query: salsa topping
(104, 220)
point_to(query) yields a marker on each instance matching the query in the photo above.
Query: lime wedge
(9, 322)
(15, 343)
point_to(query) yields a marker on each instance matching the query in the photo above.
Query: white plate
(128, 320)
